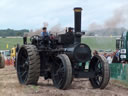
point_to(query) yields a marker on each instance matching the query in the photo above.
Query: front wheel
(62, 72)
(100, 67)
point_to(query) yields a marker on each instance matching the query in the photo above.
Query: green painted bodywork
(124, 42)
(119, 72)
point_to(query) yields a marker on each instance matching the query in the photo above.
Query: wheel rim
(97, 66)
(59, 73)
(98, 72)
(23, 65)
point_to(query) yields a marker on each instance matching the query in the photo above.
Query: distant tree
(12, 32)
(91, 34)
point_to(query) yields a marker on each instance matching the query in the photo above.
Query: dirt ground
(9, 86)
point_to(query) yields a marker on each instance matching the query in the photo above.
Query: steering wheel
(37, 37)
(46, 38)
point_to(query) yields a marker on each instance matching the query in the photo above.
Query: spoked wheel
(28, 65)
(62, 72)
(100, 67)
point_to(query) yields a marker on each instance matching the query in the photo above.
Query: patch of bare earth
(9, 86)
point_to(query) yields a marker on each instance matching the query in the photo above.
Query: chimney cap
(77, 9)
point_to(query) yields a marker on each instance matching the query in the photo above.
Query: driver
(70, 36)
(44, 33)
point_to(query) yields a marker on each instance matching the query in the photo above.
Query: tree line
(12, 32)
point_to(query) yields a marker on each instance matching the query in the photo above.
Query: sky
(31, 14)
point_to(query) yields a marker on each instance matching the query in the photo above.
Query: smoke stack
(77, 23)
(77, 18)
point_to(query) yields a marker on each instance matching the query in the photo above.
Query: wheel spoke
(97, 80)
(23, 58)
(56, 77)
(23, 73)
(21, 67)
(61, 70)
(60, 81)
(26, 77)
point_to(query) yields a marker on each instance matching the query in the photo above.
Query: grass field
(94, 42)
(10, 41)
(100, 42)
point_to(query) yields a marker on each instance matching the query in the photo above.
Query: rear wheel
(28, 64)
(100, 67)
(62, 72)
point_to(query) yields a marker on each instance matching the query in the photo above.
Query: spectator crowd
(112, 57)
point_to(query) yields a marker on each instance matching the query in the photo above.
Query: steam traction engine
(59, 59)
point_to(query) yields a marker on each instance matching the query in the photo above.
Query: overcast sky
(31, 14)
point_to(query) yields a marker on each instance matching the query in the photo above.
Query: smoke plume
(56, 29)
(118, 19)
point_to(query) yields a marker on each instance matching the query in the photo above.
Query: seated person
(46, 37)
(52, 36)
(44, 33)
(70, 36)
(67, 38)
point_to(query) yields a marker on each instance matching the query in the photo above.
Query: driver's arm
(42, 34)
